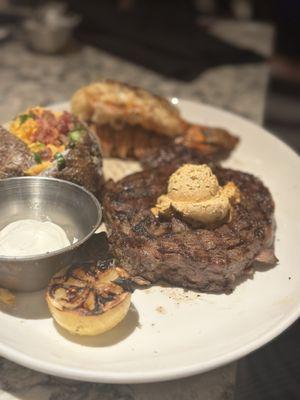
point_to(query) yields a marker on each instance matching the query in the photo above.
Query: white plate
(170, 333)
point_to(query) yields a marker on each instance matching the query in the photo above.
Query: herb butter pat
(194, 193)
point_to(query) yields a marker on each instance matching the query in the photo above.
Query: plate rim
(144, 377)
(166, 373)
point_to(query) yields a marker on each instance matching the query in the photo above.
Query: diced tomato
(65, 123)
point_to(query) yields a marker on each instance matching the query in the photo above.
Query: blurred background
(240, 55)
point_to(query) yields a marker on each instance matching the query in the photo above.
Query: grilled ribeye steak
(210, 260)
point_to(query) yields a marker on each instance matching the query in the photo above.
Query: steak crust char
(209, 260)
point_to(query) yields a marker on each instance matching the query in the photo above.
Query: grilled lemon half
(89, 300)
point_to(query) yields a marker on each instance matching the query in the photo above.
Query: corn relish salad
(48, 134)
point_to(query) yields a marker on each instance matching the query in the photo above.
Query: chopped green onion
(75, 136)
(61, 162)
(38, 158)
(41, 145)
(24, 117)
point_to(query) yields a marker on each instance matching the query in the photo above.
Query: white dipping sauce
(29, 237)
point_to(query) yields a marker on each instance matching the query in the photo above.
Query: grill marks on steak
(15, 156)
(172, 251)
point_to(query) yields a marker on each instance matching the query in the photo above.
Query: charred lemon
(89, 300)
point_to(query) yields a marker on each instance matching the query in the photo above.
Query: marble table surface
(29, 79)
